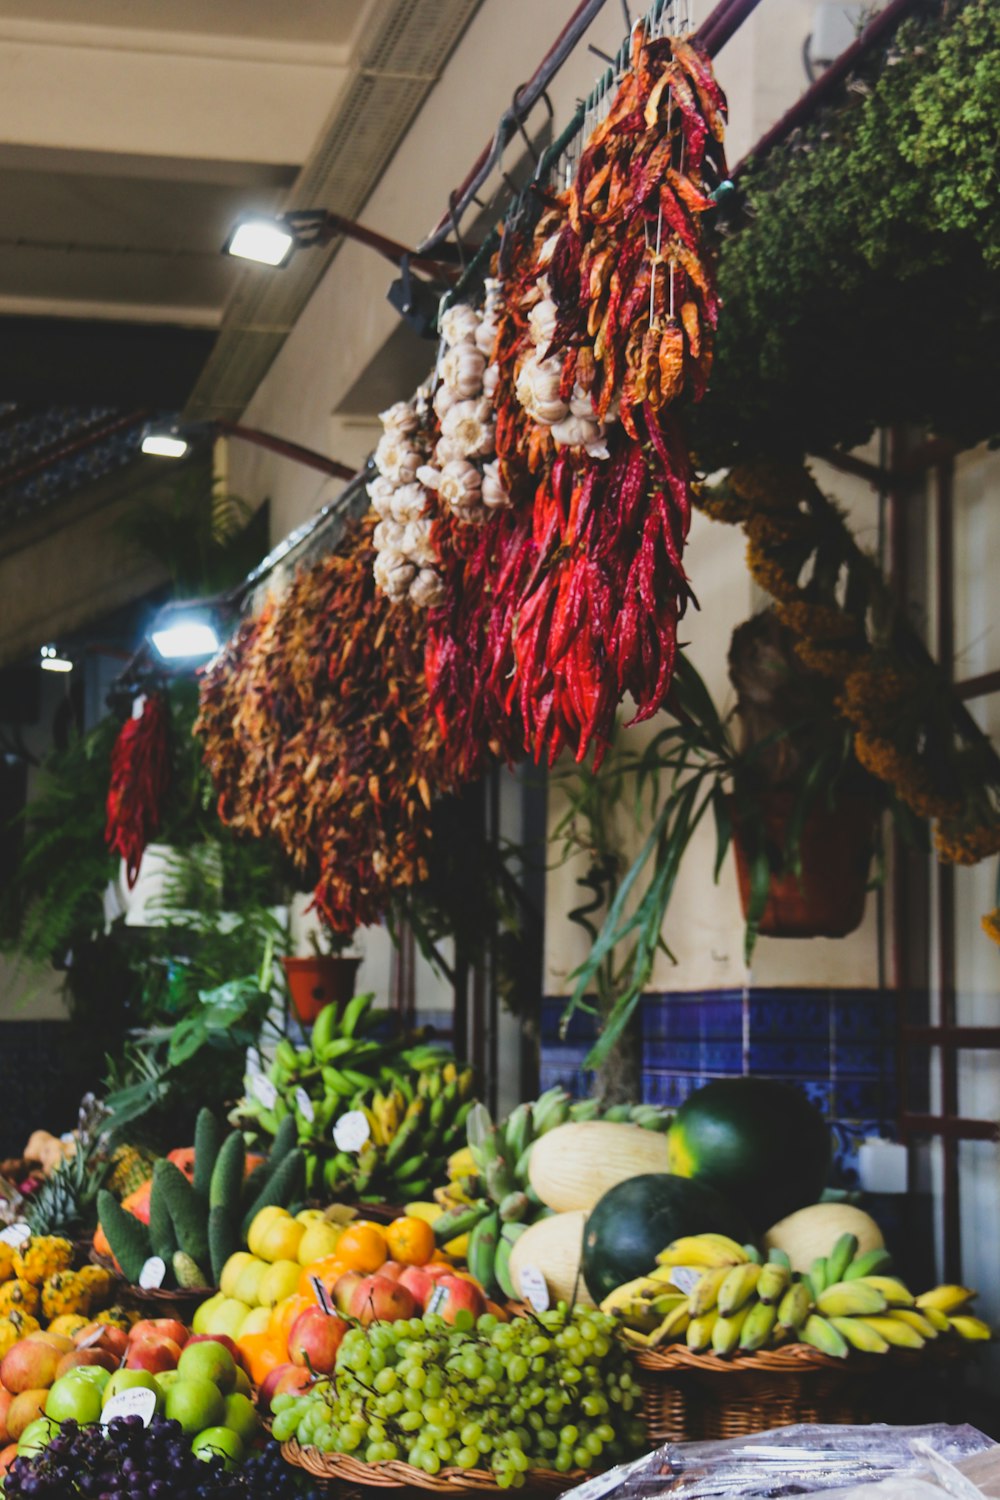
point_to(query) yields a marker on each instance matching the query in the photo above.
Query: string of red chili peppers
(140, 779)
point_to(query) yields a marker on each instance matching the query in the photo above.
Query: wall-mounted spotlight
(186, 632)
(159, 441)
(272, 241)
(52, 660)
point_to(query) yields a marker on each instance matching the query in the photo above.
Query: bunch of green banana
(411, 1093)
(738, 1305)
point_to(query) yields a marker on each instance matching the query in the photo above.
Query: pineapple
(66, 1202)
(19, 1294)
(42, 1257)
(131, 1166)
(66, 1292)
(16, 1325)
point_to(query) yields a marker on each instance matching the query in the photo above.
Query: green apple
(133, 1380)
(208, 1361)
(219, 1440)
(95, 1374)
(226, 1317)
(36, 1436)
(195, 1404)
(74, 1398)
(164, 1379)
(243, 1382)
(241, 1416)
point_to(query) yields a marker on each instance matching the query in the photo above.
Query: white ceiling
(329, 22)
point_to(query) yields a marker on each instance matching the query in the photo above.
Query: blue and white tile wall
(834, 1044)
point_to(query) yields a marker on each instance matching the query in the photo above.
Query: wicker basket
(157, 1302)
(687, 1396)
(356, 1474)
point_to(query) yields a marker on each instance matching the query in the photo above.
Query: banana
(726, 1331)
(522, 1168)
(411, 1125)
(323, 1029)
(861, 1335)
(947, 1298)
(585, 1109)
(971, 1328)
(773, 1282)
(705, 1292)
(916, 1320)
(353, 1013)
(821, 1334)
(776, 1257)
(753, 1254)
(818, 1275)
(795, 1306)
(871, 1263)
(618, 1114)
(737, 1289)
(758, 1326)
(514, 1207)
(840, 1257)
(500, 1180)
(482, 1251)
(374, 1125)
(937, 1319)
(896, 1332)
(703, 1250)
(501, 1269)
(626, 1298)
(461, 1220)
(892, 1289)
(849, 1299)
(674, 1325)
(461, 1164)
(518, 1132)
(699, 1331)
(550, 1110)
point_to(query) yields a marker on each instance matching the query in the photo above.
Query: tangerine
(410, 1240)
(362, 1247)
(327, 1269)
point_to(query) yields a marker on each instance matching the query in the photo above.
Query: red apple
(282, 1378)
(5, 1399)
(171, 1328)
(224, 1340)
(84, 1357)
(28, 1366)
(114, 1340)
(459, 1292)
(343, 1291)
(417, 1282)
(378, 1300)
(153, 1353)
(436, 1269)
(392, 1270)
(314, 1339)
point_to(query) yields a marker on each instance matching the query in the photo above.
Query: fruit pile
(718, 1295)
(491, 1195)
(194, 1224)
(38, 1285)
(409, 1104)
(556, 1392)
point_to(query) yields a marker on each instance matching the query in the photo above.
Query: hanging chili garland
(140, 779)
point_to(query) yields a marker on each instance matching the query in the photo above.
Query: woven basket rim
(154, 1293)
(790, 1359)
(400, 1475)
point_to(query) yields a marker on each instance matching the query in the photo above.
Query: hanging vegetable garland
(317, 731)
(607, 319)
(140, 778)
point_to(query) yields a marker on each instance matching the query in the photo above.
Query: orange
(283, 1316)
(410, 1240)
(362, 1247)
(327, 1269)
(262, 1353)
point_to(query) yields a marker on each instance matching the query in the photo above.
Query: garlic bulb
(393, 574)
(538, 390)
(542, 321)
(400, 418)
(458, 324)
(409, 502)
(494, 495)
(429, 476)
(461, 483)
(416, 544)
(469, 426)
(486, 334)
(491, 380)
(581, 432)
(380, 493)
(388, 536)
(447, 451)
(396, 459)
(581, 404)
(462, 370)
(427, 589)
(444, 399)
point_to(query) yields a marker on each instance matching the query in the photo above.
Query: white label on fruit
(351, 1131)
(686, 1278)
(592, 1489)
(534, 1288)
(16, 1234)
(319, 1291)
(137, 1402)
(435, 1300)
(305, 1104)
(152, 1274)
(93, 1337)
(265, 1091)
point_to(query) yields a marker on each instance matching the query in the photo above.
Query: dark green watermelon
(633, 1222)
(760, 1143)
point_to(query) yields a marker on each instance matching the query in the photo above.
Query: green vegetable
(128, 1238)
(187, 1211)
(281, 1187)
(161, 1226)
(227, 1177)
(208, 1138)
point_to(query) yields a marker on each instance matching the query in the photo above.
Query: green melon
(634, 1221)
(760, 1143)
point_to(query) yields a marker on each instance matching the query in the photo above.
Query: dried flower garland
(140, 779)
(317, 731)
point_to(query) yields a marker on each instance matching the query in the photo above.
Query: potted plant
(322, 977)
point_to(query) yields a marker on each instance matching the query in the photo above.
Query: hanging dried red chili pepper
(140, 778)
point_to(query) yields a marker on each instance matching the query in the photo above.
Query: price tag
(686, 1278)
(265, 1090)
(534, 1288)
(319, 1292)
(137, 1402)
(305, 1105)
(435, 1300)
(93, 1337)
(152, 1274)
(351, 1131)
(16, 1234)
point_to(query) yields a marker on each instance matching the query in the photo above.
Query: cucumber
(227, 1176)
(208, 1138)
(161, 1225)
(281, 1188)
(223, 1240)
(285, 1140)
(187, 1213)
(128, 1238)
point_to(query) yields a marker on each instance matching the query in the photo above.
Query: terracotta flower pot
(835, 849)
(317, 981)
